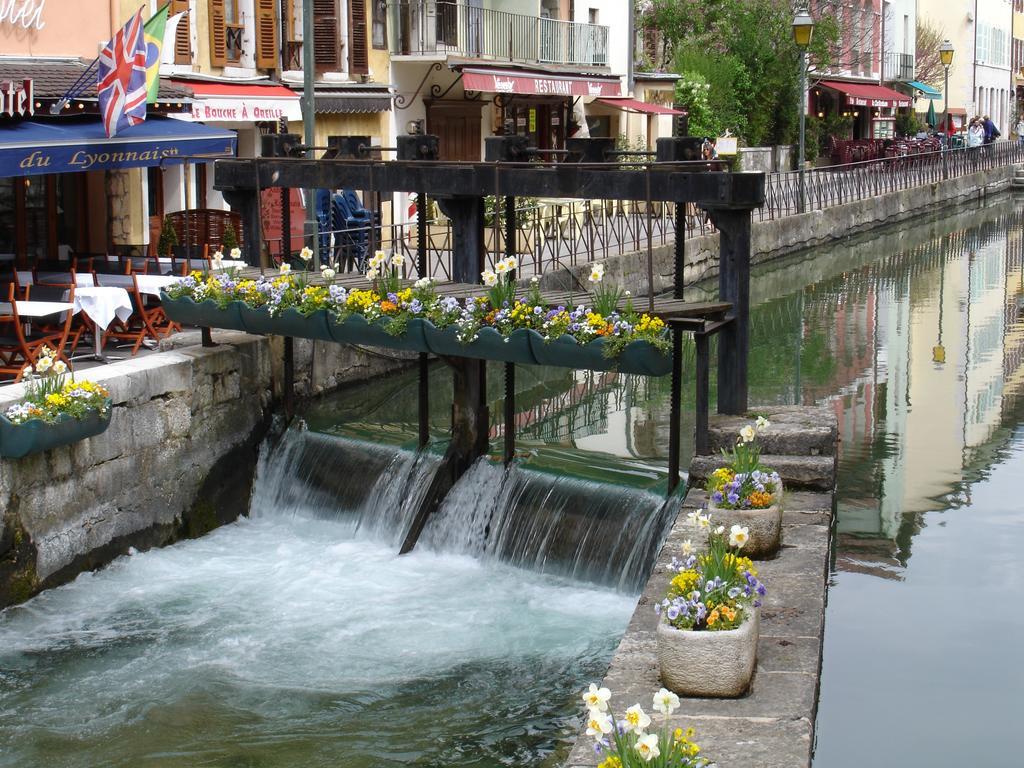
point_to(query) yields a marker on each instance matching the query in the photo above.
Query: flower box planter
(257, 320)
(291, 322)
(707, 663)
(35, 435)
(489, 344)
(356, 330)
(640, 357)
(764, 525)
(204, 313)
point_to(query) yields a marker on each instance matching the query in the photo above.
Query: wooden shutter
(182, 35)
(218, 34)
(325, 34)
(266, 34)
(358, 56)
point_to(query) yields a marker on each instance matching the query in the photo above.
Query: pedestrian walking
(1019, 130)
(975, 133)
(991, 132)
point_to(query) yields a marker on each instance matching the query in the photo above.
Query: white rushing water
(289, 639)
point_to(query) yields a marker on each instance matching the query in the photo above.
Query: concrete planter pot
(356, 330)
(35, 436)
(764, 525)
(708, 664)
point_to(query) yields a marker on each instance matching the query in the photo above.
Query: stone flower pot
(764, 525)
(709, 664)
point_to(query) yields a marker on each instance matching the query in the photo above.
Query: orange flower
(388, 306)
(760, 500)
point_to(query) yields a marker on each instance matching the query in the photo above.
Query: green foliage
(229, 239)
(907, 124)
(168, 238)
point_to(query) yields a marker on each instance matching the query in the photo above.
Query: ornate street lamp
(946, 57)
(803, 31)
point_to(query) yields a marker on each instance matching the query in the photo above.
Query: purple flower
(717, 497)
(733, 498)
(672, 613)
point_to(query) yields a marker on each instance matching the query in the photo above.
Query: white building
(993, 79)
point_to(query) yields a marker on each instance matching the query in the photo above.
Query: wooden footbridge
(514, 170)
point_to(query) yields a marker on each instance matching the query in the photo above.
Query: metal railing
(441, 28)
(836, 185)
(898, 66)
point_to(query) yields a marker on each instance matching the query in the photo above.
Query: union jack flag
(121, 86)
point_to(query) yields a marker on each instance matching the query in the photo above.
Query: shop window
(35, 218)
(155, 184)
(358, 55)
(183, 32)
(380, 24)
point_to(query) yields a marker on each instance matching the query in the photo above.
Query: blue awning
(927, 90)
(32, 148)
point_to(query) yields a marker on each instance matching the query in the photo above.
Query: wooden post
(734, 287)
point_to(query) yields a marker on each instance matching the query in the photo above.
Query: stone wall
(177, 460)
(774, 239)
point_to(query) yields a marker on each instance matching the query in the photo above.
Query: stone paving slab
(813, 472)
(795, 431)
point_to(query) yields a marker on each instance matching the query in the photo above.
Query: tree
(929, 66)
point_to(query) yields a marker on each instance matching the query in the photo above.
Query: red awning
(867, 95)
(538, 84)
(632, 105)
(241, 102)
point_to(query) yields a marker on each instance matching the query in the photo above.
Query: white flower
(599, 724)
(535, 279)
(43, 364)
(218, 255)
(666, 702)
(636, 719)
(59, 367)
(693, 517)
(597, 273)
(738, 536)
(397, 260)
(762, 423)
(747, 434)
(372, 274)
(687, 547)
(378, 259)
(647, 747)
(236, 253)
(423, 282)
(626, 293)
(597, 698)
(306, 254)
(501, 267)
(328, 273)
(511, 262)
(720, 530)
(704, 520)
(489, 278)
(286, 268)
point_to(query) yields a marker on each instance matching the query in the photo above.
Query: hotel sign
(16, 99)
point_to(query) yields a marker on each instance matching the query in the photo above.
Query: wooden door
(457, 127)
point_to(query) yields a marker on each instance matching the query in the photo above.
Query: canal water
(298, 637)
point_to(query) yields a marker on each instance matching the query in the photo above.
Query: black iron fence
(437, 27)
(558, 233)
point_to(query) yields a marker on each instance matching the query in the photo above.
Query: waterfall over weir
(536, 520)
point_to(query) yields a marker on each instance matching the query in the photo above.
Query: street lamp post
(946, 57)
(803, 30)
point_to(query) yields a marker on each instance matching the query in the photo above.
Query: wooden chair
(20, 348)
(78, 325)
(146, 322)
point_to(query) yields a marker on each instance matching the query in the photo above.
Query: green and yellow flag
(154, 34)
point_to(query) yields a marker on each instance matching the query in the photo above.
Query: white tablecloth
(37, 308)
(103, 304)
(148, 284)
(25, 277)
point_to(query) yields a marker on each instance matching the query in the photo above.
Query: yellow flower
(611, 762)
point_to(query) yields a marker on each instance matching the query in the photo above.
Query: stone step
(816, 473)
(795, 430)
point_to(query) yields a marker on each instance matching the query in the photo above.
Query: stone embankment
(772, 726)
(177, 460)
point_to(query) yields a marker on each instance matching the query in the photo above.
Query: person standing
(975, 133)
(991, 132)
(1019, 130)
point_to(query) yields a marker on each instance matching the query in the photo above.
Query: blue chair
(354, 233)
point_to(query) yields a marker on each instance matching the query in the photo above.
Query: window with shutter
(266, 34)
(183, 33)
(358, 56)
(218, 34)
(325, 35)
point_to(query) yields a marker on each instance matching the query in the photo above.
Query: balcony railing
(436, 28)
(898, 66)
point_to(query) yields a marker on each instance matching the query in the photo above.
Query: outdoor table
(150, 285)
(102, 304)
(25, 277)
(38, 308)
